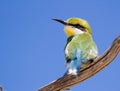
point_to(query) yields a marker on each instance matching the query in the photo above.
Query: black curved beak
(61, 21)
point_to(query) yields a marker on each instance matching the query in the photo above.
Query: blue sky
(32, 45)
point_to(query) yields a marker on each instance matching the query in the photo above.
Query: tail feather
(73, 67)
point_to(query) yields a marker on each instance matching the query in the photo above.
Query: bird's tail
(73, 67)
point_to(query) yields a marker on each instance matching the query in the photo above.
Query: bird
(80, 47)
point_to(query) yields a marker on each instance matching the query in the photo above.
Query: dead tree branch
(86, 72)
(1, 89)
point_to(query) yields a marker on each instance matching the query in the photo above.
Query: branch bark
(87, 71)
(1, 89)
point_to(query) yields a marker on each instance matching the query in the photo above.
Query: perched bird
(80, 47)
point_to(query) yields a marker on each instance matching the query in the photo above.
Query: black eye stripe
(77, 25)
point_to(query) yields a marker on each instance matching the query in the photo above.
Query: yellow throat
(69, 31)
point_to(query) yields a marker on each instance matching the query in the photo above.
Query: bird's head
(75, 26)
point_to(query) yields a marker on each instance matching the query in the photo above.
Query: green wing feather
(83, 42)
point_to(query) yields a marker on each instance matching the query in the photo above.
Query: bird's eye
(82, 28)
(78, 26)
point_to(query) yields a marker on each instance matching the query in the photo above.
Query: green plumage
(80, 47)
(84, 43)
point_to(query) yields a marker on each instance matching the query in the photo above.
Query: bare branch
(87, 71)
(1, 89)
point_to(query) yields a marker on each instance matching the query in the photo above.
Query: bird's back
(82, 43)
